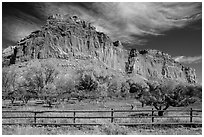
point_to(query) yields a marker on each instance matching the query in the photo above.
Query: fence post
(112, 115)
(191, 115)
(152, 115)
(35, 113)
(74, 117)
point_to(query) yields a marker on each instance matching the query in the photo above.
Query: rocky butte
(67, 37)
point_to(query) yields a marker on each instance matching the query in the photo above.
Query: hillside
(76, 42)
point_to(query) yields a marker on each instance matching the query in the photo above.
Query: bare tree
(50, 73)
(9, 86)
(37, 79)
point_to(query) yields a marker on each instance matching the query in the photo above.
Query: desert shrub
(113, 129)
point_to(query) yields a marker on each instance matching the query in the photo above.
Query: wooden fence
(189, 116)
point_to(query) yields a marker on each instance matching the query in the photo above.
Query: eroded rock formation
(67, 37)
(154, 64)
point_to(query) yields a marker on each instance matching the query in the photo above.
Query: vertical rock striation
(64, 37)
(154, 64)
(70, 37)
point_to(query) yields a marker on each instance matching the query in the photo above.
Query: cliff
(67, 37)
(154, 64)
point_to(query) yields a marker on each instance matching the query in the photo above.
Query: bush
(87, 82)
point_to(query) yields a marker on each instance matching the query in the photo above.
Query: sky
(174, 28)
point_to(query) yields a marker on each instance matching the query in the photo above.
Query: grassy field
(106, 128)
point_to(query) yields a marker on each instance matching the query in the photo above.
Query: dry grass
(105, 129)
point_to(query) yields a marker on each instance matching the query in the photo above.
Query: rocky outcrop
(70, 37)
(65, 37)
(154, 64)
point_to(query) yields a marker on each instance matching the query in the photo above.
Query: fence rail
(35, 116)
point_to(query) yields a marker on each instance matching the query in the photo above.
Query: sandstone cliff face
(65, 37)
(154, 64)
(69, 37)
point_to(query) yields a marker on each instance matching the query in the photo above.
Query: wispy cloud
(125, 21)
(188, 60)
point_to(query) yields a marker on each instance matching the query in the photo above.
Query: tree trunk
(12, 100)
(160, 112)
(26, 100)
(49, 103)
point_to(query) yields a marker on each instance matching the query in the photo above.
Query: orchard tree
(125, 88)
(49, 73)
(32, 83)
(87, 82)
(162, 95)
(49, 94)
(9, 84)
(65, 85)
(25, 94)
(138, 89)
(37, 78)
